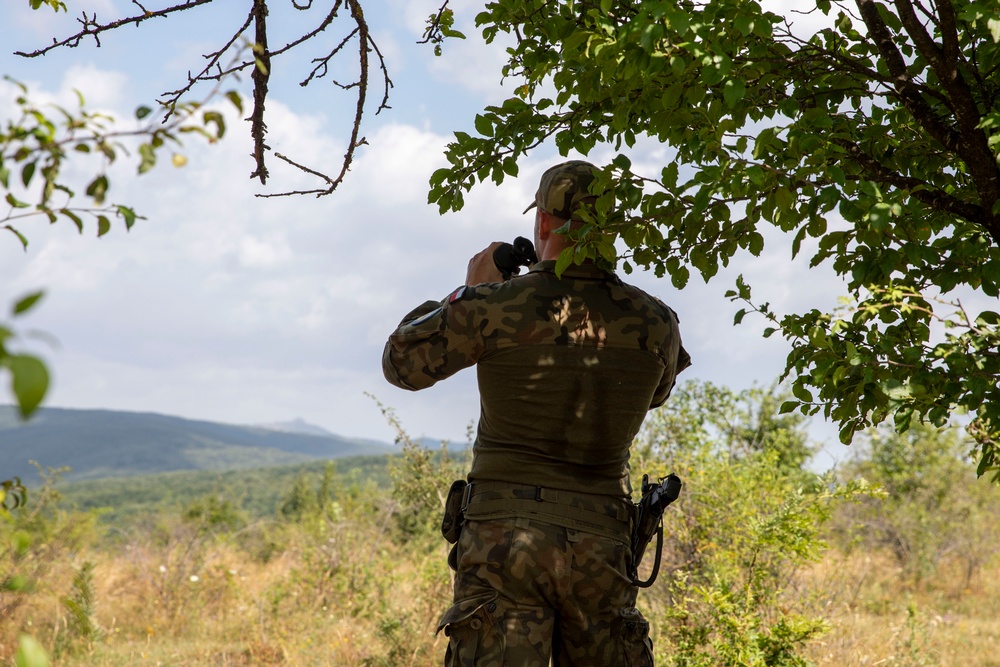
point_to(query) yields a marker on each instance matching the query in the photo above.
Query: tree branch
(973, 145)
(213, 58)
(433, 33)
(918, 189)
(908, 91)
(356, 140)
(260, 76)
(94, 29)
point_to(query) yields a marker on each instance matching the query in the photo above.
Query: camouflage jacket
(567, 367)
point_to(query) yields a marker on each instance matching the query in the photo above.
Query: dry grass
(333, 595)
(877, 617)
(154, 608)
(189, 600)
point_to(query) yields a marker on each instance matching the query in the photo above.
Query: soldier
(567, 366)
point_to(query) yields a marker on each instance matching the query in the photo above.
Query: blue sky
(232, 308)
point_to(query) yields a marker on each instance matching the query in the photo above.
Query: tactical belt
(600, 514)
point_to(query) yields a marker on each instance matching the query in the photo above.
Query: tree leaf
(128, 214)
(733, 91)
(564, 261)
(98, 188)
(27, 172)
(25, 304)
(19, 235)
(31, 381)
(15, 202)
(236, 99)
(217, 119)
(30, 653)
(994, 26)
(148, 161)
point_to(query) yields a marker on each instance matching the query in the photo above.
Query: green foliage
(56, 5)
(29, 376)
(30, 653)
(737, 425)
(743, 527)
(37, 144)
(420, 480)
(237, 495)
(34, 536)
(878, 141)
(82, 624)
(215, 513)
(441, 26)
(932, 508)
(303, 502)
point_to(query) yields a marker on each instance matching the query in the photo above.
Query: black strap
(656, 561)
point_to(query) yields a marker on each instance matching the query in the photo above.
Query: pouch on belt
(451, 524)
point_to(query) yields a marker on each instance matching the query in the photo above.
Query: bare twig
(94, 29)
(260, 65)
(365, 44)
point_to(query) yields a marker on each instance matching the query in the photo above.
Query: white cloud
(101, 89)
(264, 253)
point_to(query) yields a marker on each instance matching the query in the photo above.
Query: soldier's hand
(482, 269)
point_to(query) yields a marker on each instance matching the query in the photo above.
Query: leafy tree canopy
(877, 136)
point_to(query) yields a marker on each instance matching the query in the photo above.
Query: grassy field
(350, 571)
(878, 618)
(330, 601)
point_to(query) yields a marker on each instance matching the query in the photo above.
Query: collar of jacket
(585, 270)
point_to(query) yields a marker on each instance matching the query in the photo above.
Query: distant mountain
(297, 425)
(106, 443)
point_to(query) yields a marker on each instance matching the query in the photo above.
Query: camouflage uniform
(568, 367)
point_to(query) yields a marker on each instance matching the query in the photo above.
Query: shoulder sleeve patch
(457, 294)
(426, 316)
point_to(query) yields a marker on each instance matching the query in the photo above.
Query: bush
(37, 539)
(933, 507)
(747, 520)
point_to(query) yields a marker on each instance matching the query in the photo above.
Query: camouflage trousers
(530, 593)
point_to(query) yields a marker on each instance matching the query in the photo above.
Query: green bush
(748, 519)
(933, 507)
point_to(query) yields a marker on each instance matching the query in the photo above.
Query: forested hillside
(103, 443)
(255, 492)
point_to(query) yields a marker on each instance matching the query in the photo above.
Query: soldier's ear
(547, 223)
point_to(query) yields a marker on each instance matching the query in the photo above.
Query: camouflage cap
(563, 187)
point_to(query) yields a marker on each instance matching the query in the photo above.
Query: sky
(228, 307)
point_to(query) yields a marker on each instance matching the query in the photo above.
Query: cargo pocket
(633, 637)
(529, 636)
(474, 638)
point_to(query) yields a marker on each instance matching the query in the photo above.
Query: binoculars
(510, 257)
